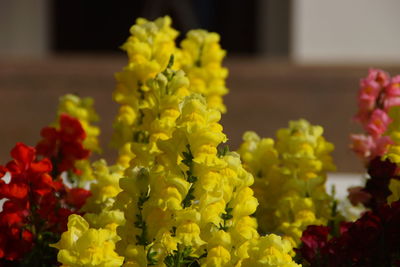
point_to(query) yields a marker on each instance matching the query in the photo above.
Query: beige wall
(346, 31)
(24, 28)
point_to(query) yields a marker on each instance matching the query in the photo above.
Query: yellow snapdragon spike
(182, 198)
(149, 49)
(290, 178)
(157, 118)
(84, 246)
(206, 194)
(151, 40)
(201, 60)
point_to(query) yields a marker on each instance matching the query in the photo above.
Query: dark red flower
(314, 239)
(377, 186)
(372, 240)
(15, 242)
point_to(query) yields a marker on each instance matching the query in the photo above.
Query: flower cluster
(38, 199)
(190, 201)
(184, 201)
(378, 94)
(97, 227)
(176, 195)
(81, 246)
(36, 210)
(149, 49)
(64, 146)
(290, 177)
(379, 114)
(372, 240)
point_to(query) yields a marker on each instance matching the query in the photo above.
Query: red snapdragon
(64, 145)
(37, 205)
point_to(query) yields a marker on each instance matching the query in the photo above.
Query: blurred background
(288, 59)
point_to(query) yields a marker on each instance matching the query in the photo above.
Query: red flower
(28, 184)
(71, 129)
(65, 145)
(53, 213)
(36, 203)
(76, 197)
(27, 175)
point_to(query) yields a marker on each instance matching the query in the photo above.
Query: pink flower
(392, 93)
(367, 98)
(369, 94)
(379, 76)
(367, 147)
(362, 145)
(381, 146)
(378, 123)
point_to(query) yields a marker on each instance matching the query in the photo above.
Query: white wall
(24, 28)
(346, 31)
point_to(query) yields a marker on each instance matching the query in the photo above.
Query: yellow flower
(393, 154)
(149, 49)
(188, 230)
(218, 256)
(105, 187)
(394, 187)
(184, 198)
(181, 196)
(108, 219)
(201, 60)
(244, 229)
(259, 155)
(83, 246)
(290, 175)
(123, 124)
(244, 203)
(270, 250)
